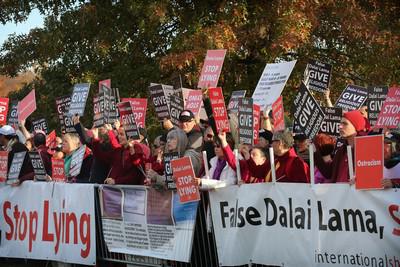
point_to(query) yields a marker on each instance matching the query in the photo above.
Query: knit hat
(356, 119)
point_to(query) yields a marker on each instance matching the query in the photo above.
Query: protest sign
(194, 101)
(278, 115)
(106, 83)
(40, 125)
(317, 75)
(211, 68)
(3, 110)
(62, 105)
(13, 114)
(112, 114)
(376, 97)
(15, 167)
(271, 83)
(234, 101)
(38, 166)
(246, 122)
(76, 161)
(353, 97)
(57, 167)
(128, 120)
(186, 184)
(368, 161)
(3, 166)
(98, 110)
(27, 106)
(78, 99)
(139, 107)
(390, 113)
(331, 122)
(256, 120)
(307, 113)
(219, 110)
(159, 101)
(51, 139)
(168, 169)
(175, 109)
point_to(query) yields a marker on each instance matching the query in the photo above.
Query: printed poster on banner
(13, 114)
(368, 161)
(169, 180)
(76, 162)
(112, 114)
(3, 110)
(57, 168)
(175, 109)
(219, 109)
(353, 97)
(98, 110)
(159, 101)
(246, 121)
(78, 99)
(128, 121)
(38, 166)
(40, 125)
(186, 185)
(271, 83)
(147, 222)
(389, 116)
(330, 124)
(3, 166)
(211, 68)
(278, 115)
(62, 105)
(194, 101)
(320, 225)
(15, 167)
(202, 113)
(234, 101)
(317, 75)
(256, 119)
(307, 113)
(48, 221)
(376, 97)
(139, 107)
(27, 106)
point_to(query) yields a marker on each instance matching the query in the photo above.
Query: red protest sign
(256, 122)
(107, 83)
(27, 106)
(219, 109)
(139, 107)
(3, 110)
(186, 185)
(194, 101)
(368, 161)
(3, 166)
(57, 167)
(277, 113)
(51, 139)
(211, 68)
(389, 116)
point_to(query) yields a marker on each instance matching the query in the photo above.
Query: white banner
(147, 222)
(53, 221)
(271, 83)
(300, 225)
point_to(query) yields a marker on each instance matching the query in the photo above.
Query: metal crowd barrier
(204, 251)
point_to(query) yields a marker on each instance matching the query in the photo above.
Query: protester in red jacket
(127, 158)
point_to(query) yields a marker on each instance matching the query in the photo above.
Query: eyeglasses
(210, 136)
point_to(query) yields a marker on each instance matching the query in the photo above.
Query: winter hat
(356, 119)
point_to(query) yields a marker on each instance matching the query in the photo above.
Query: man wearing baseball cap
(337, 171)
(189, 126)
(10, 143)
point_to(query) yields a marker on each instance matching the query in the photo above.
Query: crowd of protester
(111, 158)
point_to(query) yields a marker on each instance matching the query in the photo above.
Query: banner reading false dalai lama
(52, 221)
(299, 225)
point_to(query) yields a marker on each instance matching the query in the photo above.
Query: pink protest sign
(277, 112)
(27, 106)
(390, 112)
(219, 109)
(139, 107)
(211, 68)
(194, 101)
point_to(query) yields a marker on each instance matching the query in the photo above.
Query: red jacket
(125, 168)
